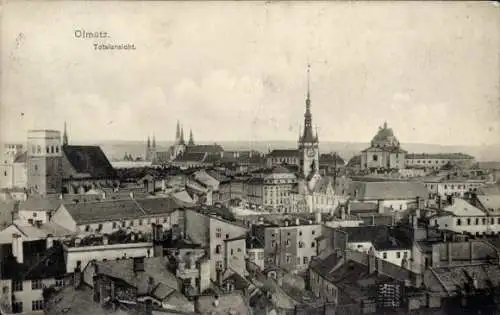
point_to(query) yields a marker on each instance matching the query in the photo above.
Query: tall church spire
(65, 135)
(308, 135)
(191, 139)
(149, 142)
(154, 141)
(181, 139)
(178, 133)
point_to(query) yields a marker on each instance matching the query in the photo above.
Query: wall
(256, 255)
(64, 219)
(109, 252)
(219, 231)
(236, 253)
(197, 227)
(462, 252)
(478, 225)
(395, 256)
(34, 215)
(28, 295)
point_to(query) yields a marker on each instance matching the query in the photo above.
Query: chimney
(131, 195)
(380, 205)
(318, 217)
(105, 239)
(138, 264)
(77, 278)
(49, 241)
(286, 222)
(297, 221)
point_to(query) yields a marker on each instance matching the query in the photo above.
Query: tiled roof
(191, 157)
(154, 267)
(389, 190)
(490, 203)
(116, 210)
(89, 160)
(444, 156)
(227, 303)
(452, 278)
(51, 265)
(382, 237)
(36, 203)
(284, 153)
(205, 148)
(461, 207)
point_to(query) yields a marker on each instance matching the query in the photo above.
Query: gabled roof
(205, 148)
(117, 210)
(284, 153)
(89, 160)
(490, 203)
(461, 207)
(330, 158)
(388, 190)
(191, 157)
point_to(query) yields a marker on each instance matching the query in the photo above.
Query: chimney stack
(138, 264)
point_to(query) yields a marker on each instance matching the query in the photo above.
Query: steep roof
(21, 157)
(284, 153)
(191, 157)
(330, 158)
(205, 148)
(89, 160)
(388, 190)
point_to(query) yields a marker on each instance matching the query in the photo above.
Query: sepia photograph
(249, 157)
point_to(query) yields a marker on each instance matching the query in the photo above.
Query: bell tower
(44, 163)
(308, 142)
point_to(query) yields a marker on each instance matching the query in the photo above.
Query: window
(468, 221)
(59, 283)
(306, 260)
(384, 255)
(33, 149)
(227, 236)
(239, 250)
(99, 227)
(47, 149)
(288, 258)
(57, 149)
(375, 158)
(124, 224)
(217, 249)
(398, 255)
(232, 251)
(459, 222)
(313, 232)
(140, 222)
(52, 149)
(87, 228)
(313, 244)
(301, 245)
(17, 307)
(5, 173)
(218, 235)
(36, 284)
(17, 286)
(34, 214)
(37, 305)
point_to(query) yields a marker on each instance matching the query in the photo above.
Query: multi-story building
(385, 152)
(437, 160)
(456, 186)
(13, 167)
(109, 216)
(288, 244)
(271, 189)
(225, 240)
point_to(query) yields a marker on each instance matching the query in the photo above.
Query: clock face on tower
(310, 153)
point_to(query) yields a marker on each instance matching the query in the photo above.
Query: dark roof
(51, 265)
(117, 210)
(388, 190)
(205, 148)
(190, 157)
(284, 153)
(355, 160)
(331, 158)
(450, 156)
(21, 158)
(381, 236)
(89, 160)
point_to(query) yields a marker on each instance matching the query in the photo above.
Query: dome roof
(385, 137)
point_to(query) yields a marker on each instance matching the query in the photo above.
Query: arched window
(52, 149)
(217, 249)
(33, 149)
(38, 149)
(57, 149)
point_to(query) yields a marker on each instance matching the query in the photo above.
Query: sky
(237, 71)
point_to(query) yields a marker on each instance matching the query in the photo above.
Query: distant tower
(191, 139)
(178, 133)
(148, 150)
(65, 135)
(44, 164)
(181, 139)
(153, 150)
(308, 142)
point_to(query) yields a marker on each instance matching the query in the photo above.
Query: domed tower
(44, 162)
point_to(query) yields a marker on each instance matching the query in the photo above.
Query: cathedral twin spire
(179, 135)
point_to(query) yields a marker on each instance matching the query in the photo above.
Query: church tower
(148, 150)
(191, 139)
(308, 142)
(44, 162)
(178, 133)
(65, 135)
(152, 151)
(181, 139)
